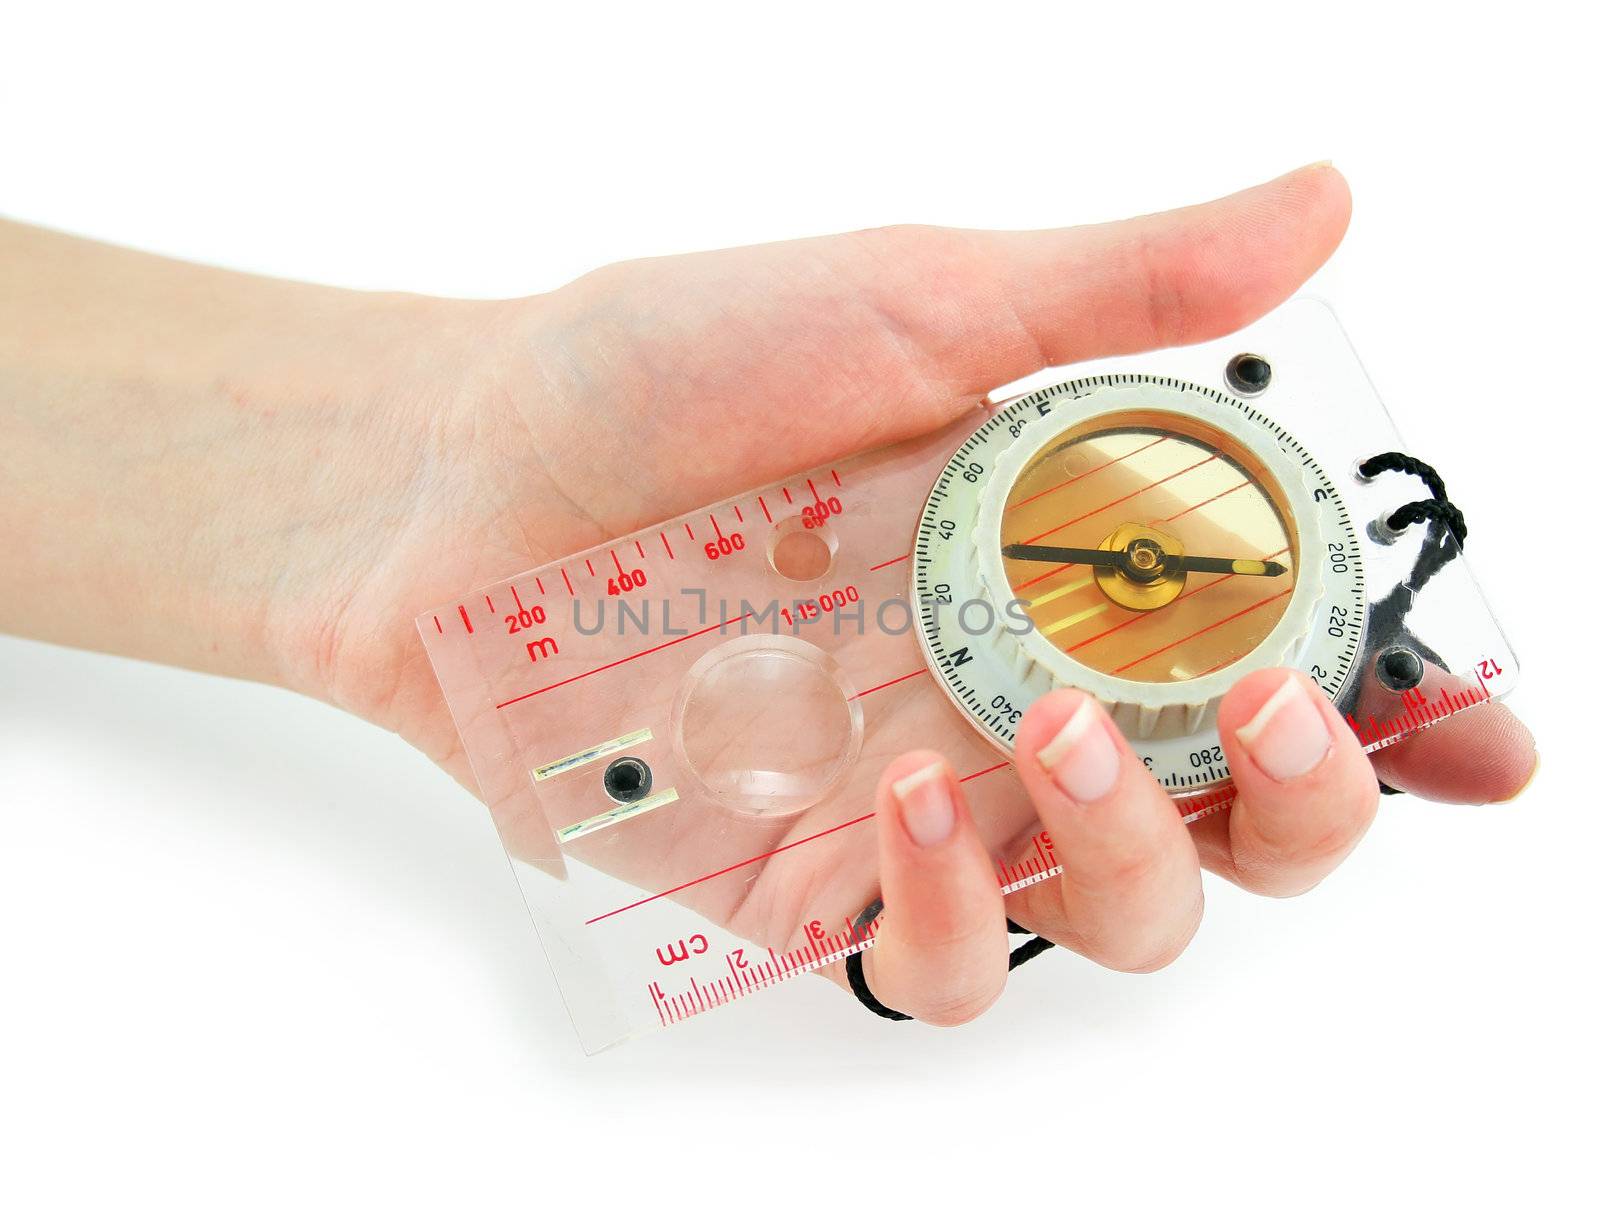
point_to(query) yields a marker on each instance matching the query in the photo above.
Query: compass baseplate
(679, 732)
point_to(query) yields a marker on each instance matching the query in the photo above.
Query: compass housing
(1303, 552)
(1144, 708)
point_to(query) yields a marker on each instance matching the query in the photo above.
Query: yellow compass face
(1150, 546)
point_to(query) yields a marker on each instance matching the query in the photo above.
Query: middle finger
(1129, 894)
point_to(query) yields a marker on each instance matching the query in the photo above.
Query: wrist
(264, 479)
(374, 418)
(195, 458)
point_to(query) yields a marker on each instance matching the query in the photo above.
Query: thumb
(792, 354)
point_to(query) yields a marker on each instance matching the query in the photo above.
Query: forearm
(175, 446)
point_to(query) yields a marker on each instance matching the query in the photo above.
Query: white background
(258, 958)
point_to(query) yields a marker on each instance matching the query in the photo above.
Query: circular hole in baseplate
(801, 553)
(766, 725)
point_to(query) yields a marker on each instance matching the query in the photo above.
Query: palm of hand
(775, 361)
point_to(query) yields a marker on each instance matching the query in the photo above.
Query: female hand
(276, 478)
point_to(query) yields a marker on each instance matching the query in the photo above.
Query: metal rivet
(1379, 531)
(1399, 669)
(627, 779)
(1249, 374)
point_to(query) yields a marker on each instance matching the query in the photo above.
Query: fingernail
(926, 808)
(1288, 735)
(1082, 759)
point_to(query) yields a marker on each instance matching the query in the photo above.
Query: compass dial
(1175, 491)
(1147, 540)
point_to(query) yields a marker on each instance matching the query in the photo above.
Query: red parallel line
(983, 773)
(615, 562)
(568, 581)
(786, 496)
(875, 688)
(738, 514)
(437, 625)
(837, 483)
(1205, 629)
(812, 485)
(714, 526)
(1226, 663)
(517, 598)
(732, 868)
(619, 662)
(465, 619)
(886, 564)
(540, 582)
(764, 509)
(1241, 485)
(490, 601)
(639, 544)
(1090, 472)
(590, 563)
(1047, 574)
(666, 544)
(756, 858)
(1133, 619)
(1118, 501)
(1229, 662)
(689, 529)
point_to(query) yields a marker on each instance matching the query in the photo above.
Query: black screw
(1399, 669)
(1249, 374)
(627, 779)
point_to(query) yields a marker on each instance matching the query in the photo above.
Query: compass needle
(1128, 558)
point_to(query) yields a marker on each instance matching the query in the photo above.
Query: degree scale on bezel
(1157, 470)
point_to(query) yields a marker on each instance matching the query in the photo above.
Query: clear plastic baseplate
(679, 732)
